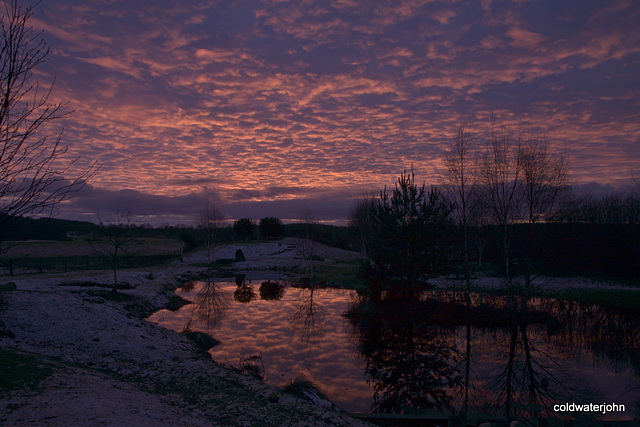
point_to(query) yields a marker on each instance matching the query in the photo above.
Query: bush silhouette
(243, 228)
(270, 227)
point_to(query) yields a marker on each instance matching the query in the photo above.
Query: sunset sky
(267, 107)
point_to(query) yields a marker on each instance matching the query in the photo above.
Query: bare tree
(523, 180)
(306, 246)
(545, 176)
(116, 239)
(461, 171)
(635, 181)
(544, 182)
(210, 305)
(31, 178)
(209, 219)
(361, 219)
(461, 174)
(500, 176)
(308, 320)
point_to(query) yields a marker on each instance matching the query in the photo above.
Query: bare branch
(208, 223)
(31, 180)
(115, 240)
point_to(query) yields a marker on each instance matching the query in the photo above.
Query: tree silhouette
(271, 291)
(409, 367)
(501, 176)
(210, 306)
(243, 228)
(32, 179)
(116, 239)
(244, 294)
(208, 224)
(408, 225)
(522, 180)
(270, 227)
(461, 171)
(361, 219)
(544, 181)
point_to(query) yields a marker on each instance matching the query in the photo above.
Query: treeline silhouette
(598, 238)
(60, 229)
(565, 249)
(594, 237)
(409, 233)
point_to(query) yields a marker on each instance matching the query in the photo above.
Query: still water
(403, 352)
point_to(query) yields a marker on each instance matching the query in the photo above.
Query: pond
(405, 352)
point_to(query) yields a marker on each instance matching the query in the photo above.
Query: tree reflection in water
(409, 364)
(410, 345)
(307, 321)
(271, 291)
(209, 305)
(613, 333)
(531, 379)
(244, 294)
(610, 335)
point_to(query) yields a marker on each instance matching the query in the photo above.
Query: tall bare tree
(31, 178)
(545, 175)
(208, 223)
(501, 179)
(461, 170)
(306, 246)
(523, 179)
(361, 219)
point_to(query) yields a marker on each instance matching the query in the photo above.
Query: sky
(270, 107)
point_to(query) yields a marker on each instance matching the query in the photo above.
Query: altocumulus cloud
(182, 101)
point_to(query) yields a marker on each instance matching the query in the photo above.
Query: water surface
(401, 352)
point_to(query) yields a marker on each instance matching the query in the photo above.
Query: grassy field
(340, 274)
(50, 248)
(64, 256)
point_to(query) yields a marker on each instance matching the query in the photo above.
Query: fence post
(66, 266)
(86, 261)
(40, 262)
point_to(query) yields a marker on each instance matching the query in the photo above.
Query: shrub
(270, 227)
(243, 228)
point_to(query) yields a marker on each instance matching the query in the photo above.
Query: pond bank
(79, 356)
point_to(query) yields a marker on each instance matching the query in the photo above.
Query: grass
(19, 370)
(609, 295)
(301, 385)
(339, 275)
(64, 256)
(136, 307)
(51, 248)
